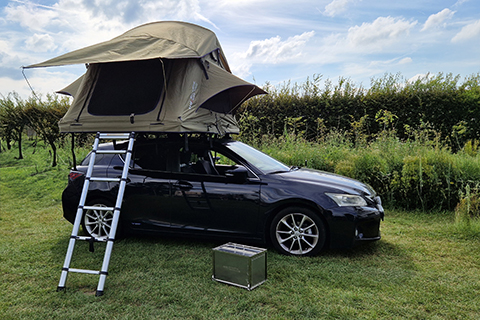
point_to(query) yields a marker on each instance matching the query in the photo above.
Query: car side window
(157, 157)
(151, 161)
(191, 159)
(206, 161)
(100, 159)
(117, 161)
(198, 161)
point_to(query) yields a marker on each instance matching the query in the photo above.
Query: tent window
(123, 88)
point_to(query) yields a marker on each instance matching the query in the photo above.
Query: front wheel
(297, 231)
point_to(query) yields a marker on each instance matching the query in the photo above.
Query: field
(425, 267)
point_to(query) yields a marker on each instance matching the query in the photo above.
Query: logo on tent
(193, 94)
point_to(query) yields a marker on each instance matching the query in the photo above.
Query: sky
(265, 41)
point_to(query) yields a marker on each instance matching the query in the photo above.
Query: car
(221, 188)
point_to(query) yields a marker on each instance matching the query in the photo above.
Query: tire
(297, 231)
(97, 223)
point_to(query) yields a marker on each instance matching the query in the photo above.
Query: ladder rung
(83, 271)
(114, 135)
(88, 239)
(105, 179)
(98, 208)
(111, 151)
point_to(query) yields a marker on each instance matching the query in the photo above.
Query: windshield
(257, 158)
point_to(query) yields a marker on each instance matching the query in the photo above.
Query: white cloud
(336, 7)
(241, 68)
(365, 68)
(269, 51)
(380, 33)
(10, 85)
(406, 60)
(30, 15)
(44, 80)
(386, 64)
(469, 31)
(355, 69)
(67, 21)
(78, 23)
(359, 40)
(184, 10)
(40, 43)
(437, 19)
(460, 2)
(11, 59)
(274, 50)
(421, 77)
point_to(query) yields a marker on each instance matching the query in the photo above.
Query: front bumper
(350, 226)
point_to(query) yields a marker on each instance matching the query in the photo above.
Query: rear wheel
(96, 222)
(297, 231)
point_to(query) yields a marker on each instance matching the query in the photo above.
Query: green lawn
(423, 268)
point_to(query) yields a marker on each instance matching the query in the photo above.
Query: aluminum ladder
(116, 210)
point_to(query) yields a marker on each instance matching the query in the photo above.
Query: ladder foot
(61, 289)
(99, 293)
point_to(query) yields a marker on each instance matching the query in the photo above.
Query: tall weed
(467, 212)
(419, 173)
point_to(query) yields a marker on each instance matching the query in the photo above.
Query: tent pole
(186, 142)
(73, 152)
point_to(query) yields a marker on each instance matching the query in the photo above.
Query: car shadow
(135, 254)
(376, 248)
(361, 250)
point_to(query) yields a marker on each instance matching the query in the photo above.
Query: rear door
(148, 198)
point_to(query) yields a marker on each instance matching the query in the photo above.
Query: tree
(12, 120)
(43, 117)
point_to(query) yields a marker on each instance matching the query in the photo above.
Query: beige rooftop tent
(159, 77)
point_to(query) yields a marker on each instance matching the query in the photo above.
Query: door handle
(126, 180)
(183, 184)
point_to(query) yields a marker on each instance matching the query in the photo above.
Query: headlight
(347, 200)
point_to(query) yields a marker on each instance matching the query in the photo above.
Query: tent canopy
(163, 39)
(159, 77)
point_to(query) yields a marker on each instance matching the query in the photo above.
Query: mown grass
(425, 267)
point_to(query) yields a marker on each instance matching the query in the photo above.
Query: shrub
(418, 174)
(440, 101)
(468, 208)
(471, 147)
(368, 166)
(430, 180)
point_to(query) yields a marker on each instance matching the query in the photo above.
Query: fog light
(358, 234)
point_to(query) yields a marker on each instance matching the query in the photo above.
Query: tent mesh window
(125, 88)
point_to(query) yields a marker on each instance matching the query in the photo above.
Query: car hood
(328, 179)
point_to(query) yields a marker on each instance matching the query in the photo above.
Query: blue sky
(270, 41)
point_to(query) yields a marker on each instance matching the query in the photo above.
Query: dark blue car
(204, 186)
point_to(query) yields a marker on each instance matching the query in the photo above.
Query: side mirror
(237, 175)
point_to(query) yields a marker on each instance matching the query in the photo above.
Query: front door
(207, 199)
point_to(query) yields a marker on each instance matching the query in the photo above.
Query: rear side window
(125, 88)
(117, 161)
(100, 159)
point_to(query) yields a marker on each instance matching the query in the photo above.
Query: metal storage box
(240, 265)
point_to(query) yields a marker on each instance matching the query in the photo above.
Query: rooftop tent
(158, 77)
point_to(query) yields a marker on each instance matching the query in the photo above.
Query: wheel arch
(100, 195)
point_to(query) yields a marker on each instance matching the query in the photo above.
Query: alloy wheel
(297, 233)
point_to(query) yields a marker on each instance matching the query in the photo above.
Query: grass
(424, 267)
